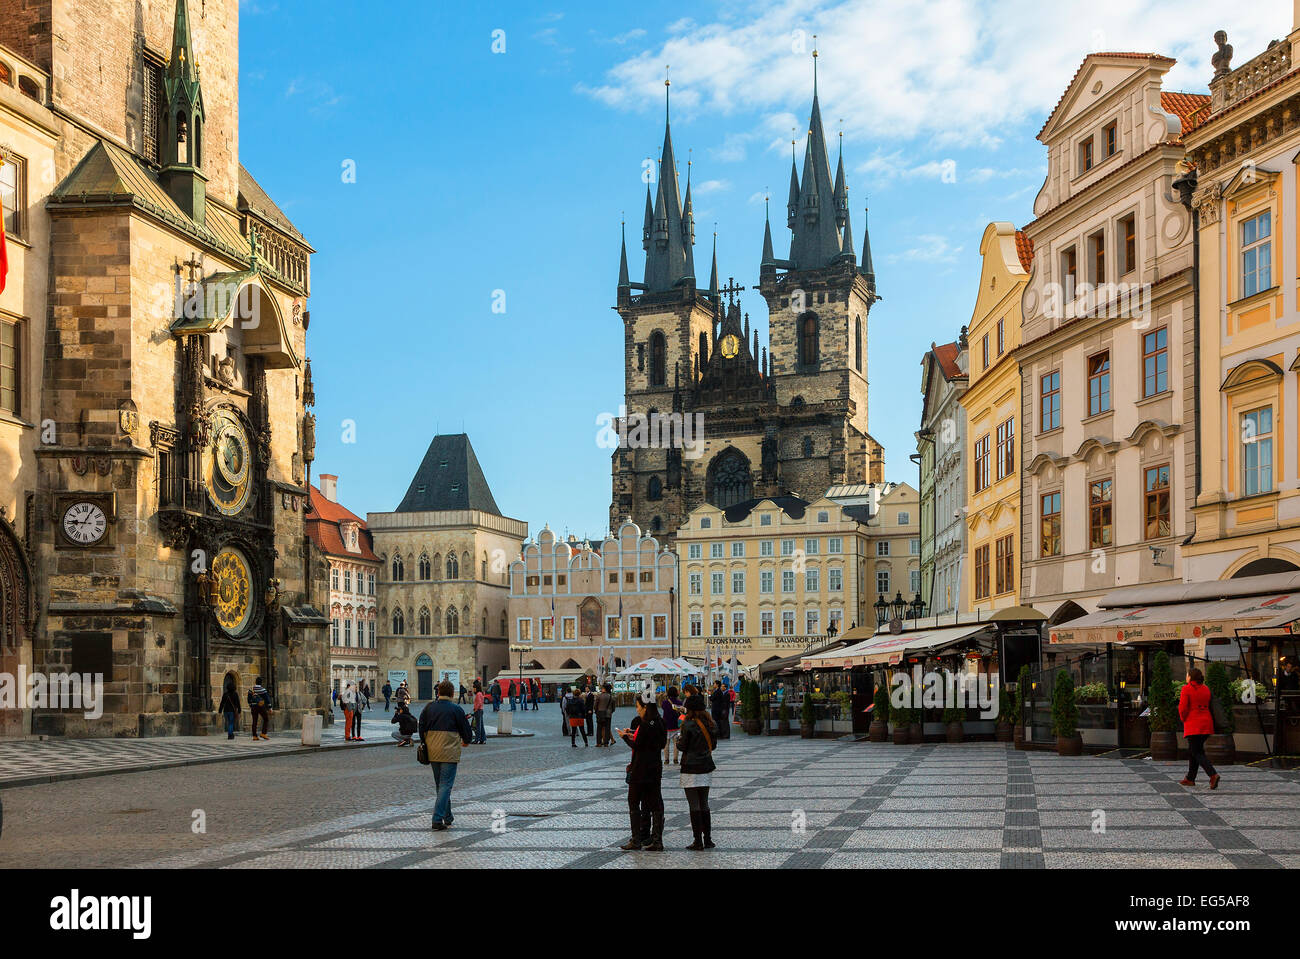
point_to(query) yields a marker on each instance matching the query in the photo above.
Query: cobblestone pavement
(31, 761)
(776, 801)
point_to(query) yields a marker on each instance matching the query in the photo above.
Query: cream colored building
(444, 587)
(893, 559)
(1247, 512)
(1108, 384)
(768, 578)
(575, 604)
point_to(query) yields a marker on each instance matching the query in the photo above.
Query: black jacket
(229, 702)
(719, 703)
(697, 753)
(406, 723)
(575, 707)
(647, 765)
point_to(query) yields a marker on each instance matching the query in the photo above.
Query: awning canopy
(892, 647)
(1193, 622)
(544, 676)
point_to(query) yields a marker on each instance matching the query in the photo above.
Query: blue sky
(479, 171)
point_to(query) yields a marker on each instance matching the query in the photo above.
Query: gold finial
(667, 82)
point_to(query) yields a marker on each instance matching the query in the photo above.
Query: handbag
(422, 754)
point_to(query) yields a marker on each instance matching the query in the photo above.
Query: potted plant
(1020, 713)
(953, 718)
(1006, 715)
(902, 719)
(1164, 710)
(1220, 748)
(750, 707)
(807, 718)
(783, 719)
(916, 731)
(1065, 716)
(879, 729)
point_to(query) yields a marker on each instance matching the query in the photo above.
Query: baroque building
(942, 443)
(1108, 384)
(341, 536)
(443, 586)
(162, 438)
(789, 418)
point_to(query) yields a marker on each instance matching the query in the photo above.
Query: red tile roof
(1125, 54)
(323, 529)
(1190, 108)
(946, 354)
(1024, 250)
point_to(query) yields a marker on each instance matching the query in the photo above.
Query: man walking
(514, 691)
(480, 732)
(444, 729)
(719, 707)
(403, 694)
(604, 716)
(589, 705)
(533, 687)
(388, 694)
(496, 696)
(259, 704)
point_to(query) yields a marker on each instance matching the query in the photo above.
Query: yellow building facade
(1247, 508)
(991, 578)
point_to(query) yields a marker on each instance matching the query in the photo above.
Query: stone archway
(17, 614)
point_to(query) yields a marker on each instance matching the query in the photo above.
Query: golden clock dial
(730, 346)
(226, 463)
(234, 589)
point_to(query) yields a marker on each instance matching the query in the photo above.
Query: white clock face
(84, 523)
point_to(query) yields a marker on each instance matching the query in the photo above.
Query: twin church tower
(786, 419)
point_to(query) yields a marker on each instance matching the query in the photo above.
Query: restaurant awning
(891, 648)
(544, 676)
(1189, 615)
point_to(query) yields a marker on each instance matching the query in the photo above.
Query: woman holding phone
(696, 743)
(645, 802)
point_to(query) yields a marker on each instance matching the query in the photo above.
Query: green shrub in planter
(1006, 707)
(1091, 693)
(750, 706)
(880, 711)
(1022, 693)
(783, 713)
(1216, 677)
(954, 714)
(1065, 711)
(1164, 707)
(807, 714)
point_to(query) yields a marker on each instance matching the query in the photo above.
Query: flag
(552, 617)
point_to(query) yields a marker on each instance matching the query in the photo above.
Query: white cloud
(929, 248)
(950, 71)
(710, 186)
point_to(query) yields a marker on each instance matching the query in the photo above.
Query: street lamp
(520, 649)
(882, 611)
(917, 609)
(898, 606)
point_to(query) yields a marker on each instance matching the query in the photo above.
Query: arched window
(807, 447)
(503, 624)
(426, 568)
(808, 339)
(453, 566)
(729, 480)
(29, 88)
(857, 343)
(425, 621)
(399, 623)
(399, 570)
(453, 621)
(6, 75)
(658, 359)
(654, 489)
(483, 576)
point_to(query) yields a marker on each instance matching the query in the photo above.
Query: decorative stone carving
(1206, 202)
(1222, 59)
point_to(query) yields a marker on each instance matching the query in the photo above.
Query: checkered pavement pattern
(813, 804)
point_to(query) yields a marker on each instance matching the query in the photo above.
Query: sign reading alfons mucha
(234, 590)
(763, 646)
(226, 465)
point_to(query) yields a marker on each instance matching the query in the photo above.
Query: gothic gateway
(789, 418)
(163, 473)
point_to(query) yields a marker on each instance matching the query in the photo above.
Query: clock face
(226, 463)
(730, 346)
(84, 523)
(234, 589)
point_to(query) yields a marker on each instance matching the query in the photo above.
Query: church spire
(713, 273)
(768, 263)
(867, 268)
(183, 150)
(841, 190)
(669, 259)
(624, 281)
(815, 242)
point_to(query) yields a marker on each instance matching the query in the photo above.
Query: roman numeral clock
(84, 520)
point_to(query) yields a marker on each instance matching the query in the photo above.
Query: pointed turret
(846, 241)
(669, 260)
(713, 272)
(768, 264)
(815, 243)
(182, 153)
(867, 268)
(688, 231)
(624, 281)
(648, 227)
(792, 204)
(841, 190)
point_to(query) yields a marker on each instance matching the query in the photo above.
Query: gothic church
(789, 418)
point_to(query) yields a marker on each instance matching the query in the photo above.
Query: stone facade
(1108, 385)
(181, 587)
(566, 598)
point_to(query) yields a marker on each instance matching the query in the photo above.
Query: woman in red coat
(1198, 726)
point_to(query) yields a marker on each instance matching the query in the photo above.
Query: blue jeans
(512, 704)
(444, 777)
(480, 733)
(230, 723)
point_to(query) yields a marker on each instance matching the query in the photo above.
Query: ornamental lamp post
(898, 606)
(882, 611)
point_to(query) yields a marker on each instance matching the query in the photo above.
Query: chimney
(329, 487)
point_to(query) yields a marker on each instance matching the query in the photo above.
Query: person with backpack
(645, 801)
(388, 695)
(720, 707)
(406, 725)
(443, 731)
(696, 742)
(259, 704)
(1198, 726)
(229, 707)
(575, 708)
(604, 707)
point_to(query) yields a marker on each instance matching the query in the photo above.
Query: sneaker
(1214, 781)
(439, 826)
(1186, 782)
(631, 845)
